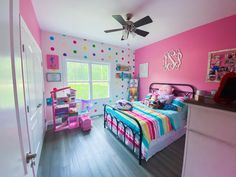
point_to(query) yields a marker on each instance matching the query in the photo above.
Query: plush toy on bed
(161, 98)
(124, 105)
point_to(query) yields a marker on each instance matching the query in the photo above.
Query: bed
(146, 131)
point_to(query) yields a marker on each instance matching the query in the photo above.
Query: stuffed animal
(165, 94)
(160, 98)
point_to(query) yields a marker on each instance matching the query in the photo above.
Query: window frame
(90, 81)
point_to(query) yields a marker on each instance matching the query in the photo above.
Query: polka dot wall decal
(133, 60)
(74, 51)
(95, 110)
(52, 38)
(116, 53)
(122, 86)
(110, 101)
(64, 54)
(128, 62)
(94, 45)
(94, 54)
(85, 48)
(85, 57)
(52, 48)
(74, 42)
(116, 61)
(122, 51)
(122, 58)
(117, 96)
(102, 59)
(102, 50)
(109, 48)
(95, 102)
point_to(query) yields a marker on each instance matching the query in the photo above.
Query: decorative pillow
(124, 105)
(179, 103)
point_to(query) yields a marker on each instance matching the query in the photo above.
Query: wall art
(52, 62)
(172, 60)
(143, 70)
(219, 63)
(53, 77)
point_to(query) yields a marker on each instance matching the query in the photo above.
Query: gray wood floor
(74, 153)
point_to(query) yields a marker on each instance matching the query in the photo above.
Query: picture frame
(143, 70)
(53, 77)
(220, 63)
(52, 62)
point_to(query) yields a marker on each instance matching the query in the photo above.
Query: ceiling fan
(129, 27)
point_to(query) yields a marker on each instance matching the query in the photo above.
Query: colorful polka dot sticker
(122, 86)
(94, 45)
(74, 42)
(116, 61)
(51, 38)
(109, 48)
(117, 96)
(95, 110)
(74, 51)
(128, 62)
(102, 50)
(85, 57)
(52, 48)
(85, 48)
(110, 101)
(116, 53)
(122, 51)
(94, 54)
(64, 54)
(95, 102)
(133, 59)
(122, 58)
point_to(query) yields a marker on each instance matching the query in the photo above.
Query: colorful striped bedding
(154, 124)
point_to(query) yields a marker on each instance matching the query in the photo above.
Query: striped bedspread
(154, 124)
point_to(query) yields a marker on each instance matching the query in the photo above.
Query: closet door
(34, 89)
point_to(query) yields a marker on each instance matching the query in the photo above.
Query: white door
(34, 89)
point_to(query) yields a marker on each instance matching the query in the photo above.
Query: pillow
(179, 103)
(124, 105)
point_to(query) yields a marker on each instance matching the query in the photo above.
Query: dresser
(210, 146)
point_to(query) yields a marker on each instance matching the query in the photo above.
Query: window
(91, 80)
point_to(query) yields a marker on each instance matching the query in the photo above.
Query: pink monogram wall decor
(172, 60)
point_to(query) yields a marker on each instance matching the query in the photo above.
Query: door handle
(38, 106)
(30, 156)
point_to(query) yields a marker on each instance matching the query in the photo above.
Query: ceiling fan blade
(120, 19)
(141, 32)
(144, 21)
(113, 30)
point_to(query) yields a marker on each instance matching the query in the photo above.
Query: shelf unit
(64, 109)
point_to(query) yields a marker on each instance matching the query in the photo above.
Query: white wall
(65, 47)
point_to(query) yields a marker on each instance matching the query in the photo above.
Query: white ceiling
(89, 18)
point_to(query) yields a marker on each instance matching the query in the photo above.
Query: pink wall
(195, 45)
(28, 14)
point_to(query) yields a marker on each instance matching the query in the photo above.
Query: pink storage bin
(86, 123)
(73, 122)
